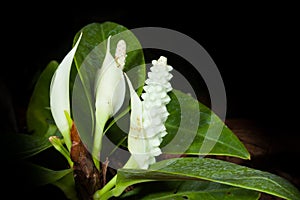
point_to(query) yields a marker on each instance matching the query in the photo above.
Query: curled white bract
(110, 82)
(59, 94)
(109, 91)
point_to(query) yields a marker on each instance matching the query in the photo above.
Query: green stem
(98, 140)
(66, 134)
(97, 147)
(106, 188)
(57, 143)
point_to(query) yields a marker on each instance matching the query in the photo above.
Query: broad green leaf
(67, 185)
(36, 175)
(92, 48)
(211, 170)
(88, 59)
(22, 146)
(189, 121)
(38, 111)
(192, 190)
(182, 109)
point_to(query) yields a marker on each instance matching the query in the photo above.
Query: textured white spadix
(120, 54)
(109, 90)
(148, 116)
(59, 94)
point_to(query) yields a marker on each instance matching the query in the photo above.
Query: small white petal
(162, 61)
(156, 151)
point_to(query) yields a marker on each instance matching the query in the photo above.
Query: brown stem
(87, 178)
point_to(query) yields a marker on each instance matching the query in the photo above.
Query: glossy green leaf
(67, 185)
(211, 170)
(92, 48)
(183, 115)
(192, 190)
(20, 146)
(88, 59)
(189, 121)
(38, 111)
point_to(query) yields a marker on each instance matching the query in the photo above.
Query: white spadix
(148, 116)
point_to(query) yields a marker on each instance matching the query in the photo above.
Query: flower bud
(109, 91)
(59, 95)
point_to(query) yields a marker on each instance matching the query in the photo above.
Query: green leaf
(211, 170)
(67, 185)
(92, 48)
(187, 126)
(38, 111)
(88, 59)
(35, 175)
(22, 146)
(192, 190)
(184, 117)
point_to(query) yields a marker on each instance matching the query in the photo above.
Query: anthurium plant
(78, 102)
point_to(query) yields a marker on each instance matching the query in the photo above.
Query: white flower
(148, 116)
(109, 91)
(59, 95)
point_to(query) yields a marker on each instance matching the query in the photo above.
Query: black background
(254, 46)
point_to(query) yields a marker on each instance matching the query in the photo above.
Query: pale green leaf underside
(192, 190)
(35, 175)
(20, 146)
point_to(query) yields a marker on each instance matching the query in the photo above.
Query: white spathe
(110, 83)
(59, 94)
(109, 91)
